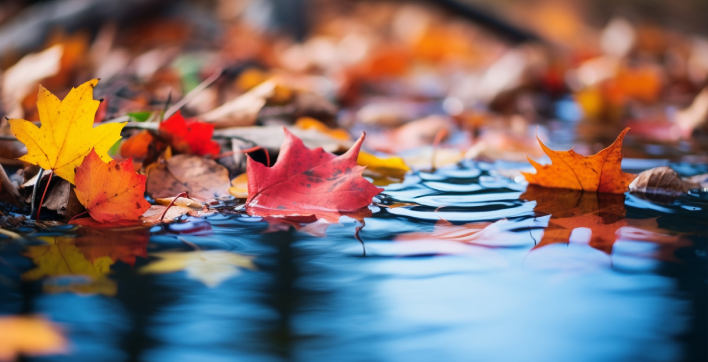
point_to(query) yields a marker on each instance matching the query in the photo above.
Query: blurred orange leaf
(29, 335)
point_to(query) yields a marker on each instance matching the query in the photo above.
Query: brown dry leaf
(8, 190)
(62, 199)
(30, 336)
(271, 137)
(658, 181)
(22, 78)
(243, 110)
(153, 215)
(202, 178)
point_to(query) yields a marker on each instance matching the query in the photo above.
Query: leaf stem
(75, 216)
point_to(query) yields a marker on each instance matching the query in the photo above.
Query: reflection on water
(460, 265)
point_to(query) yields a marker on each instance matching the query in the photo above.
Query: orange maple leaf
(110, 191)
(601, 172)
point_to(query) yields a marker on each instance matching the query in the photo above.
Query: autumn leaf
(137, 145)
(601, 172)
(110, 191)
(192, 132)
(67, 134)
(202, 178)
(307, 181)
(31, 336)
(239, 186)
(211, 267)
(306, 123)
(393, 167)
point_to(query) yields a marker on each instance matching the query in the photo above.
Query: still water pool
(460, 264)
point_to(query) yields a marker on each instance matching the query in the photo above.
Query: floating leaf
(601, 172)
(67, 134)
(306, 181)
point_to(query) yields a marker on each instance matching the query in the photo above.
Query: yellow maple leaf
(601, 172)
(67, 134)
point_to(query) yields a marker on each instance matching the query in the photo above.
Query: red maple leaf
(308, 182)
(111, 191)
(191, 132)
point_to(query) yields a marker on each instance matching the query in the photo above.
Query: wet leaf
(110, 191)
(67, 134)
(202, 178)
(305, 181)
(659, 180)
(601, 172)
(30, 336)
(211, 267)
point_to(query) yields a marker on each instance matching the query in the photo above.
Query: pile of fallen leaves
(179, 133)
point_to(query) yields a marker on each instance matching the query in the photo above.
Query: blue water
(319, 294)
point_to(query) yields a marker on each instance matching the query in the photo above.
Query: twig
(182, 194)
(191, 95)
(34, 192)
(356, 235)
